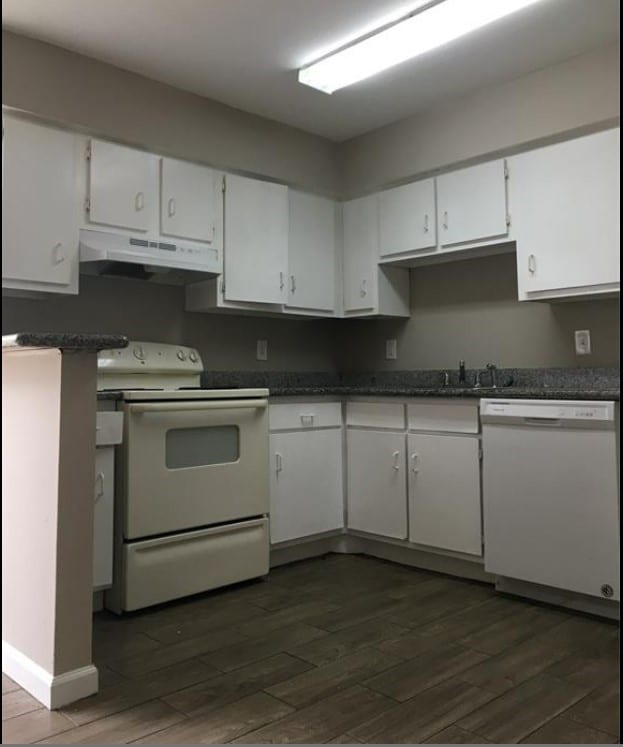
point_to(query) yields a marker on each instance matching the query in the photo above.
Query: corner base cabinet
(377, 486)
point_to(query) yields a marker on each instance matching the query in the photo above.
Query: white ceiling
(245, 53)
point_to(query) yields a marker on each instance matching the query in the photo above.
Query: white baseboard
(54, 691)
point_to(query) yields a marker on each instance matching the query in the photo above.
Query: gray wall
(469, 310)
(150, 312)
(465, 310)
(578, 95)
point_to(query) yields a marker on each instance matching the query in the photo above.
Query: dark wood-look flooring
(341, 649)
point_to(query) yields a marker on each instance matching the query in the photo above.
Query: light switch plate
(582, 342)
(391, 350)
(262, 350)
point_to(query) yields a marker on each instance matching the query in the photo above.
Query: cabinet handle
(364, 289)
(292, 284)
(396, 464)
(278, 462)
(57, 254)
(532, 264)
(426, 223)
(414, 458)
(307, 419)
(445, 220)
(171, 207)
(139, 201)
(281, 281)
(99, 486)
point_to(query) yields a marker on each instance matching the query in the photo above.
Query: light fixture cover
(429, 28)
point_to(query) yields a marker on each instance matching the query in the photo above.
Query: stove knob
(181, 355)
(139, 353)
(193, 356)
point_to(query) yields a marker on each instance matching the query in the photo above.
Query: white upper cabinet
(565, 210)
(311, 252)
(255, 241)
(407, 219)
(123, 187)
(472, 205)
(188, 200)
(41, 207)
(361, 242)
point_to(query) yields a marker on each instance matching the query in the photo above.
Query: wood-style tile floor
(341, 649)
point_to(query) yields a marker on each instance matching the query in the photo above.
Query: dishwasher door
(550, 494)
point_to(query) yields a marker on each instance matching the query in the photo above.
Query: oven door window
(201, 447)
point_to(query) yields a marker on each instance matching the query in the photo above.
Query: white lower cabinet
(444, 492)
(377, 485)
(306, 485)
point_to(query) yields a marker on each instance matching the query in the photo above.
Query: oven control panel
(150, 357)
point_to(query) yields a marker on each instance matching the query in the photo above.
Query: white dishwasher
(551, 493)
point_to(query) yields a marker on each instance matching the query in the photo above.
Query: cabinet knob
(532, 264)
(57, 253)
(99, 486)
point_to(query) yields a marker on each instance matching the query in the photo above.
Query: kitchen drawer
(304, 416)
(157, 570)
(444, 416)
(376, 415)
(108, 428)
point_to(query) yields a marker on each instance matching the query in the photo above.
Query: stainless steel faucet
(461, 372)
(446, 378)
(492, 369)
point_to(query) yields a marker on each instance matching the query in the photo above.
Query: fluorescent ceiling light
(418, 33)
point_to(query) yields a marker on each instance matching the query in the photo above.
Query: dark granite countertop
(63, 341)
(513, 383)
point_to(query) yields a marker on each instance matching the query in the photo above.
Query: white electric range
(192, 483)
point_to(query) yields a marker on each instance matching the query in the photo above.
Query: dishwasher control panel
(547, 410)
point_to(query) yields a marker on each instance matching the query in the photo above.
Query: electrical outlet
(262, 350)
(582, 342)
(391, 350)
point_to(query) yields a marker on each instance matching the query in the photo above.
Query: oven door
(192, 464)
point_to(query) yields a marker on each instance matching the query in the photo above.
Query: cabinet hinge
(505, 170)
(87, 204)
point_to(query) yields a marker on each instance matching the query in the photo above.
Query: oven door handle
(238, 404)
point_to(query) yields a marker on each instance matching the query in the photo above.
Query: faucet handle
(491, 367)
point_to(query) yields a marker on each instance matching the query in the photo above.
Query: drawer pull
(307, 419)
(414, 458)
(99, 486)
(396, 464)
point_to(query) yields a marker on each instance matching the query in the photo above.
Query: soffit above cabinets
(245, 52)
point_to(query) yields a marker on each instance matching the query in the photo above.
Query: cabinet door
(103, 517)
(256, 241)
(407, 220)
(361, 247)
(41, 204)
(564, 202)
(123, 187)
(472, 204)
(377, 484)
(188, 205)
(306, 483)
(311, 252)
(444, 492)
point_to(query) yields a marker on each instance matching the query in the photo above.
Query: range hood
(169, 262)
